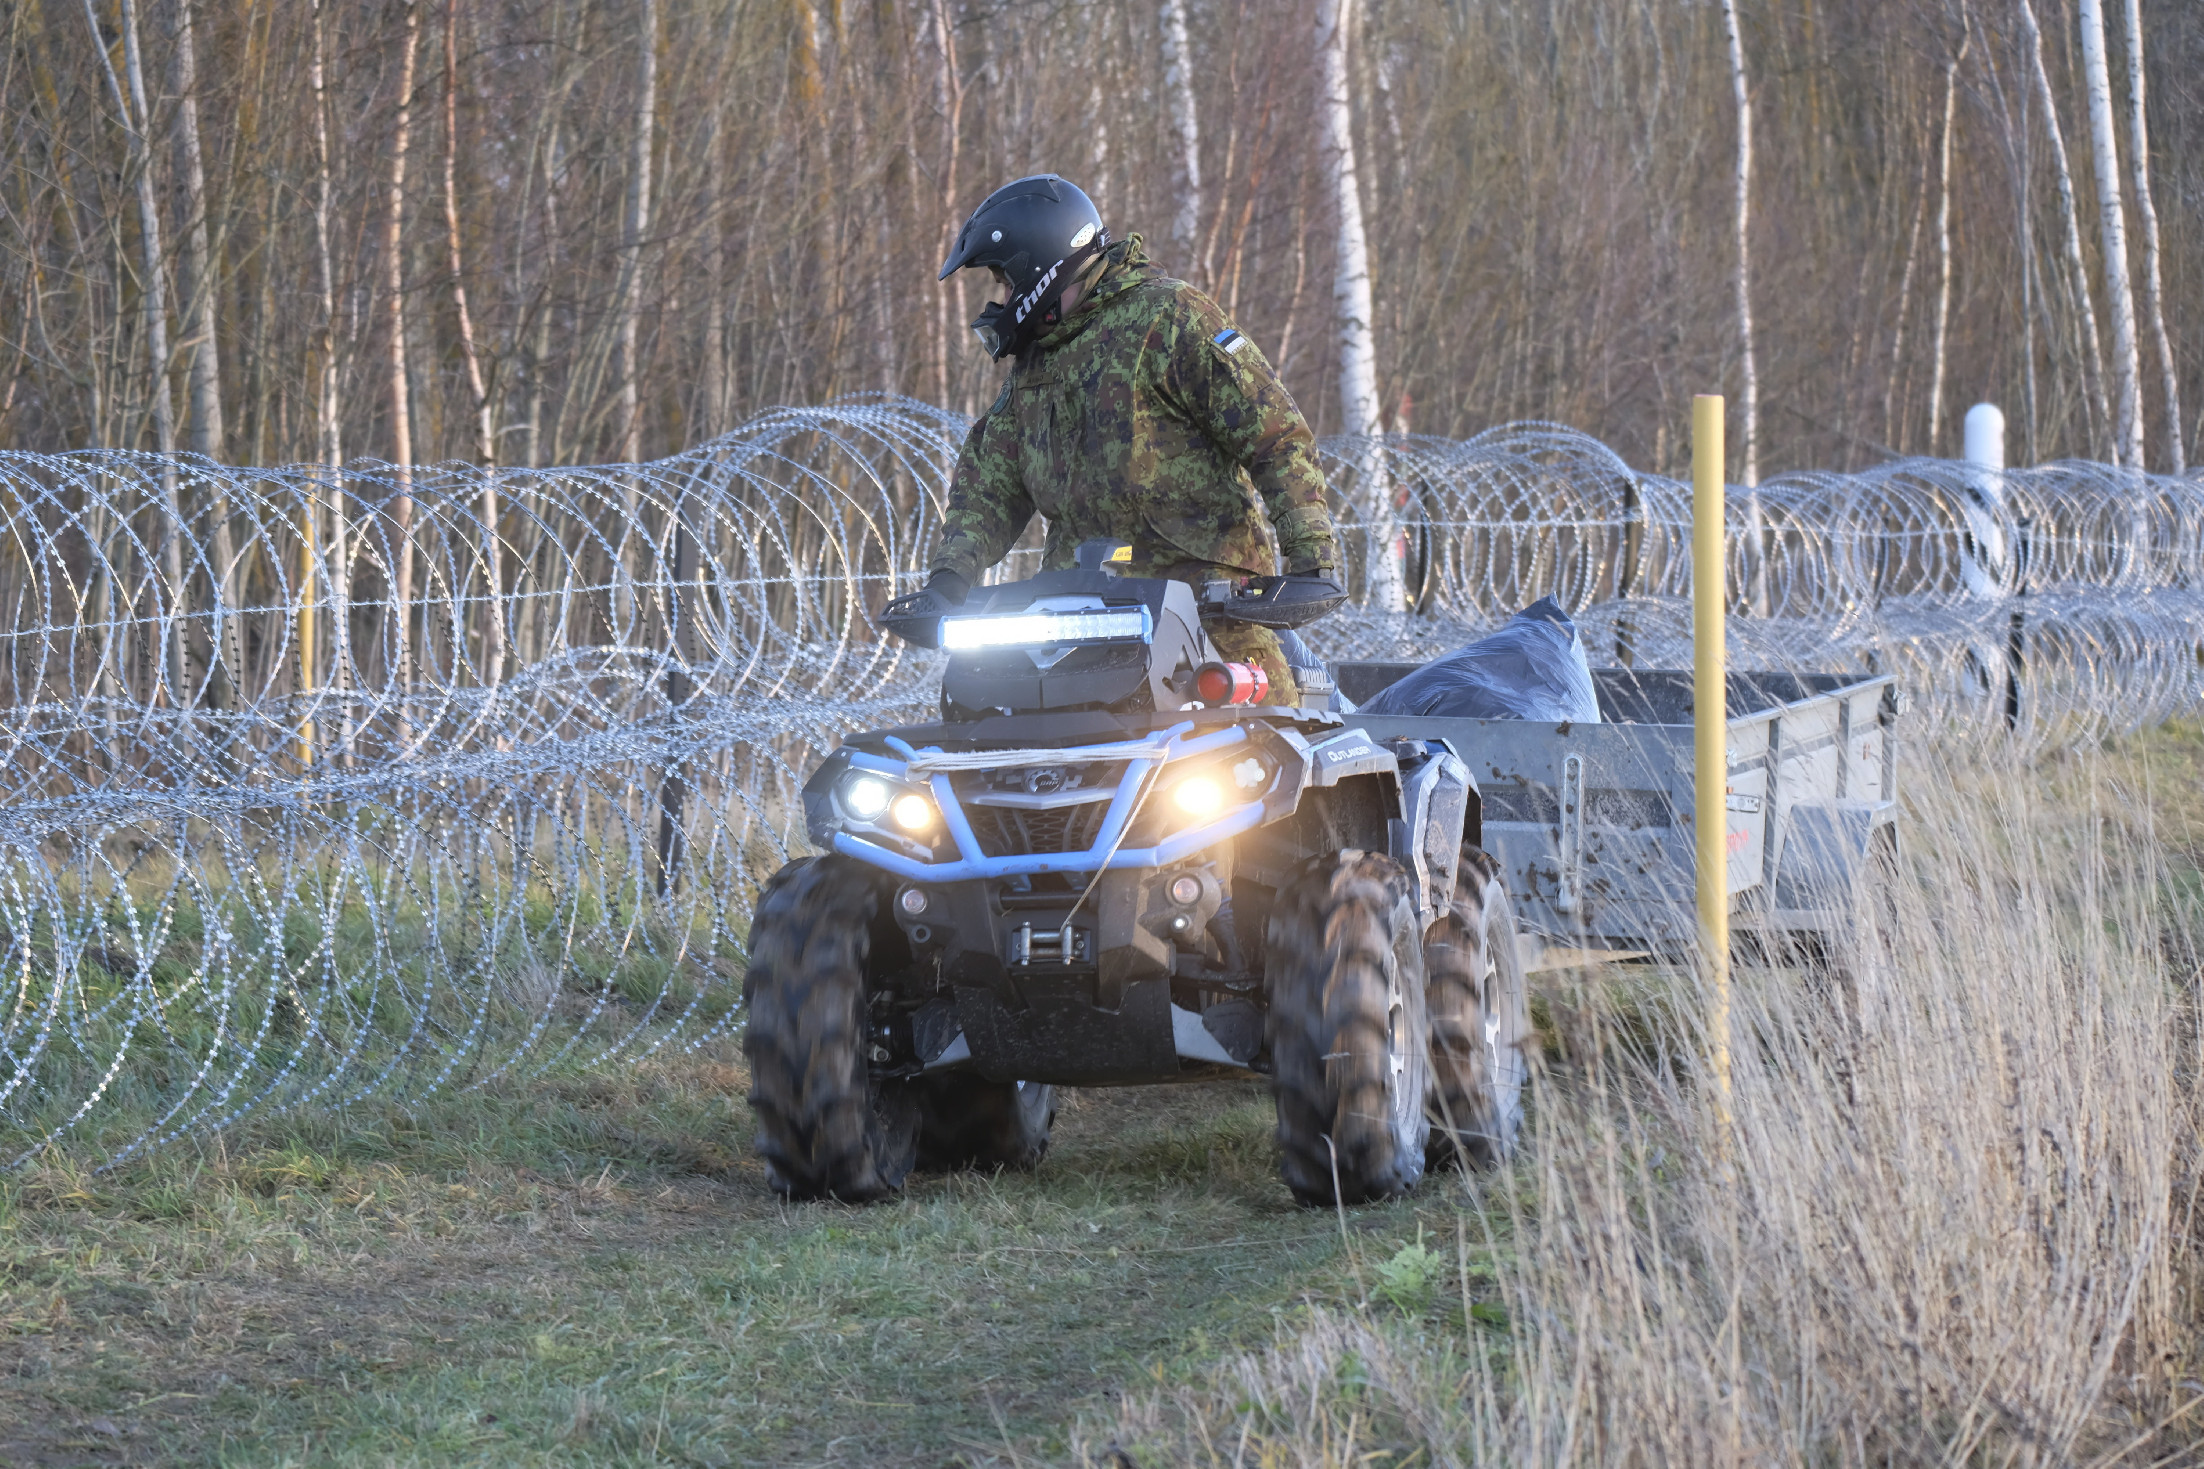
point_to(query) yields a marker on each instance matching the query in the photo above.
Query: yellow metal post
(306, 631)
(1710, 721)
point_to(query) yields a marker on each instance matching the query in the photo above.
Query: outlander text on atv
(1088, 873)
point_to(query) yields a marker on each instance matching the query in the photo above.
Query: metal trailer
(1592, 823)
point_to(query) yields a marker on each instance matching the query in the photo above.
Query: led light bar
(1045, 629)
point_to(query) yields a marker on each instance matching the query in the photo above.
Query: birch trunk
(2093, 365)
(540, 352)
(401, 398)
(2146, 215)
(135, 114)
(1178, 91)
(203, 366)
(1941, 352)
(485, 442)
(1358, 398)
(1893, 437)
(328, 446)
(636, 226)
(478, 392)
(201, 356)
(1748, 402)
(2127, 362)
(949, 100)
(1753, 534)
(715, 277)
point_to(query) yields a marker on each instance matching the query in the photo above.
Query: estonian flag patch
(1229, 339)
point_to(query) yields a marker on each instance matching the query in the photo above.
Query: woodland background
(555, 231)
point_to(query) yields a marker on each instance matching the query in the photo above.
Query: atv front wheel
(1480, 1021)
(1349, 1043)
(825, 1128)
(968, 1122)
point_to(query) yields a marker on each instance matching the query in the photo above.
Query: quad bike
(1109, 865)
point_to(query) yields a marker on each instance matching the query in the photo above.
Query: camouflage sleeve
(1225, 384)
(988, 503)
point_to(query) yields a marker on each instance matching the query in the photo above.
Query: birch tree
(949, 103)
(636, 227)
(1385, 578)
(202, 357)
(1178, 91)
(201, 353)
(328, 427)
(1753, 535)
(1941, 352)
(2146, 215)
(401, 395)
(2077, 273)
(136, 120)
(2127, 363)
(485, 441)
(1748, 403)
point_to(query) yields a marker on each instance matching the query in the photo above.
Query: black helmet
(1038, 232)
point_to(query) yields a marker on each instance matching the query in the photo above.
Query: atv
(1110, 864)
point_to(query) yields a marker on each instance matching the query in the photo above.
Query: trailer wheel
(1349, 1043)
(1480, 1021)
(969, 1122)
(826, 1129)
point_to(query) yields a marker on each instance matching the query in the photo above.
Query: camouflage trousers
(1243, 642)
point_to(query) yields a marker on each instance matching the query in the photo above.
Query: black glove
(915, 617)
(1282, 601)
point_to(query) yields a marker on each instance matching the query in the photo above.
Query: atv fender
(1427, 837)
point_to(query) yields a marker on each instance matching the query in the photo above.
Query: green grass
(587, 1268)
(590, 1270)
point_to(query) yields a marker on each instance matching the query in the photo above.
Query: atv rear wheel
(968, 1122)
(1480, 1021)
(1349, 1044)
(826, 1129)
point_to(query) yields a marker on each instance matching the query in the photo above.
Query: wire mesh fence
(324, 784)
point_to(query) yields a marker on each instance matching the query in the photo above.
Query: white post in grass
(1985, 547)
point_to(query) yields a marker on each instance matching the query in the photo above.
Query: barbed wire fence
(322, 785)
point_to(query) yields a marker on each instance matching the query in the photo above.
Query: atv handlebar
(1272, 601)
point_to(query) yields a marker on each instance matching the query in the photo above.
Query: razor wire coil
(321, 784)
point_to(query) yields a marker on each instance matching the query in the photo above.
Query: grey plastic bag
(1533, 668)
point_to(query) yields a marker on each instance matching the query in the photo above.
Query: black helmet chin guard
(1038, 231)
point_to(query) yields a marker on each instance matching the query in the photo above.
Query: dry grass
(1952, 1224)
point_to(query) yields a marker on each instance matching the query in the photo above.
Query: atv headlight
(1045, 629)
(912, 812)
(866, 796)
(1198, 796)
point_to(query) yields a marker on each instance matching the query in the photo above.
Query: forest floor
(591, 1269)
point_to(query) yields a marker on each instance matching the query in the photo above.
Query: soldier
(1133, 410)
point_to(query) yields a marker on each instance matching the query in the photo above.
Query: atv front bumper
(947, 849)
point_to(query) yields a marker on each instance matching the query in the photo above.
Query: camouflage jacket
(1146, 417)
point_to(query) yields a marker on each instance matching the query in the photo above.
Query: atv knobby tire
(825, 1128)
(969, 1122)
(1348, 1040)
(1480, 1021)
